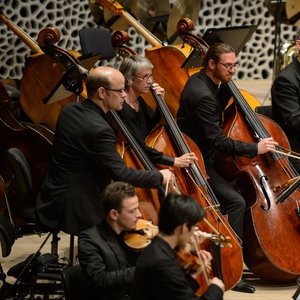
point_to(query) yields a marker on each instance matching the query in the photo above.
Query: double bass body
(231, 258)
(271, 233)
(193, 181)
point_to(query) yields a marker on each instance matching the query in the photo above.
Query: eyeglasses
(230, 66)
(144, 78)
(114, 90)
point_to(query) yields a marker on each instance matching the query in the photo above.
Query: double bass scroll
(184, 27)
(170, 71)
(74, 73)
(41, 76)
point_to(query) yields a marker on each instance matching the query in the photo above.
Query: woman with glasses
(138, 116)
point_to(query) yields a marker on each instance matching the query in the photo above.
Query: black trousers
(231, 201)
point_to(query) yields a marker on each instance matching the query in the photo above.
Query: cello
(271, 227)
(43, 75)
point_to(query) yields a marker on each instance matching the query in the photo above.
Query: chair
(96, 41)
(76, 285)
(296, 296)
(21, 174)
(37, 266)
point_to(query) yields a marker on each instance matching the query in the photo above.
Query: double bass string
(260, 130)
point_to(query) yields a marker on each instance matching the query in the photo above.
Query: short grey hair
(131, 65)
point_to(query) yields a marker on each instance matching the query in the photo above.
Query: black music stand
(236, 36)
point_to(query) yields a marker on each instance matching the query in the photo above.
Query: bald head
(102, 76)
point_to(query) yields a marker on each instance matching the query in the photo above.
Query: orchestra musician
(138, 116)
(200, 116)
(285, 94)
(158, 274)
(107, 262)
(85, 158)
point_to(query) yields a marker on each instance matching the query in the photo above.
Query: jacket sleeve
(104, 152)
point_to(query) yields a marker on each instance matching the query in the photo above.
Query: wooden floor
(28, 245)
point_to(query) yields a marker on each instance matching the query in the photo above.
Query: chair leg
(54, 243)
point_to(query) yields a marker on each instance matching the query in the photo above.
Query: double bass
(170, 71)
(193, 181)
(233, 268)
(42, 86)
(272, 228)
(271, 241)
(135, 157)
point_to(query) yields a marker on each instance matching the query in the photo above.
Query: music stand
(236, 36)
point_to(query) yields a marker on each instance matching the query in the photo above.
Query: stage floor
(29, 244)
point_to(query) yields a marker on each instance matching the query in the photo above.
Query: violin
(191, 260)
(142, 236)
(188, 261)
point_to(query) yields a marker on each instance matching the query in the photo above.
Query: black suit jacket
(84, 160)
(200, 116)
(107, 267)
(285, 94)
(159, 277)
